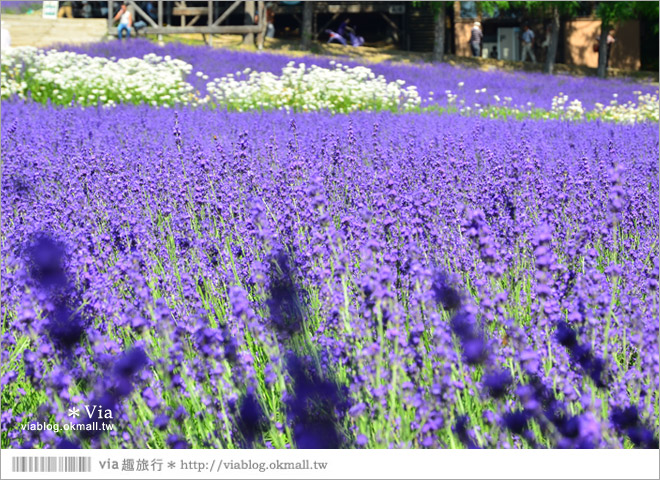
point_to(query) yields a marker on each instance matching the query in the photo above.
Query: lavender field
(377, 279)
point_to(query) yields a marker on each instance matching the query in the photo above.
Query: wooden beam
(388, 20)
(143, 14)
(226, 13)
(194, 20)
(189, 11)
(221, 29)
(209, 22)
(160, 18)
(343, 7)
(261, 11)
(182, 18)
(350, 8)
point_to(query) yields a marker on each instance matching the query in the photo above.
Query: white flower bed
(646, 109)
(64, 77)
(300, 88)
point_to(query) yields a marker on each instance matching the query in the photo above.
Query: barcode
(51, 464)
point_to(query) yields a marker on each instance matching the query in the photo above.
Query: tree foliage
(647, 11)
(610, 13)
(544, 9)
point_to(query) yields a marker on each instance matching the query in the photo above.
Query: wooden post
(111, 15)
(160, 20)
(226, 13)
(248, 39)
(261, 9)
(182, 17)
(209, 22)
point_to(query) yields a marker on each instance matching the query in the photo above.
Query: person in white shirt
(6, 38)
(125, 21)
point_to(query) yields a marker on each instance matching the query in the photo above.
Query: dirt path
(33, 30)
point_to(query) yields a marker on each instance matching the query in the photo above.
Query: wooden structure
(386, 10)
(184, 12)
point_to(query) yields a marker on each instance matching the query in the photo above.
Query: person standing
(528, 44)
(270, 20)
(125, 21)
(475, 39)
(610, 44)
(152, 11)
(5, 37)
(86, 10)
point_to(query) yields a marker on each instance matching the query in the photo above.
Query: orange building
(582, 34)
(578, 37)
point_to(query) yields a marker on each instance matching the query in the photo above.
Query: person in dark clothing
(151, 10)
(345, 32)
(248, 19)
(270, 20)
(345, 28)
(475, 39)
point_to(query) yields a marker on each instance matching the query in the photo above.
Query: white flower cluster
(65, 77)
(647, 108)
(340, 89)
(451, 98)
(574, 110)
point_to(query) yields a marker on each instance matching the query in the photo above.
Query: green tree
(552, 11)
(440, 14)
(610, 14)
(649, 11)
(439, 41)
